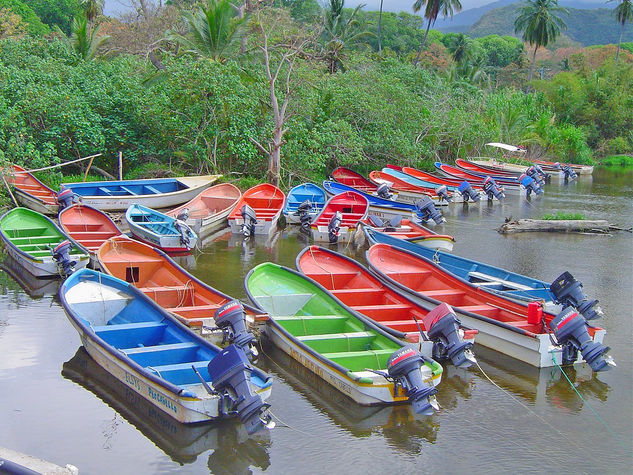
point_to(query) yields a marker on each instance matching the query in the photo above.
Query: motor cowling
(231, 319)
(442, 192)
(568, 293)
(384, 191)
(570, 329)
(493, 190)
(249, 218)
(393, 222)
(467, 192)
(426, 211)
(61, 255)
(65, 198)
(530, 185)
(569, 173)
(303, 211)
(334, 227)
(442, 328)
(230, 373)
(404, 367)
(375, 221)
(544, 176)
(183, 215)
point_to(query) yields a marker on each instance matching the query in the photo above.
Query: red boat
(357, 288)
(458, 173)
(355, 180)
(505, 325)
(266, 201)
(439, 180)
(31, 192)
(487, 170)
(339, 218)
(398, 184)
(410, 231)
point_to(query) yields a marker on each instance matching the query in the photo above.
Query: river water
(57, 404)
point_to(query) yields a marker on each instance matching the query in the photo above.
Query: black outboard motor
(230, 372)
(492, 189)
(384, 191)
(185, 232)
(404, 367)
(375, 221)
(303, 211)
(530, 185)
(61, 255)
(65, 198)
(442, 192)
(393, 222)
(442, 328)
(570, 329)
(250, 220)
(426, 211)
(467, 192)
(569, 173)
(231, 319)
(183, 215)
(568, 293)
(334, 226)
(533, 173)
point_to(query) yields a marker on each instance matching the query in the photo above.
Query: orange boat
(263, 206)
(409, 231)
(31, 192)
(88, 227)
(208, 211)
(169, 285)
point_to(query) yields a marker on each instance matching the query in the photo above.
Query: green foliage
(56, 12)
(499, 51)
(34, 24)
(617, 161)
(302, 10)
(560, 216)
(85, 41)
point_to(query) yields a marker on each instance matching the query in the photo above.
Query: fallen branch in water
(566, 226)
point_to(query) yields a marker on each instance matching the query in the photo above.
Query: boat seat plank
(442, 293)
(488, 279)
(334, 336)
(192, 307)
(158, 348)
(151, 189)
(179, 366)
(128, 191)
(479, 308)
(105, 191)
(309, 317)
(127, 326)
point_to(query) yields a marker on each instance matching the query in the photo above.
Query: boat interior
(130, 188)
(29, 184)
(351, 205)
(88, 227)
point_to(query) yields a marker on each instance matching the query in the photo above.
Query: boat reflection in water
(233, 450)
(545, 386)
(34, 287)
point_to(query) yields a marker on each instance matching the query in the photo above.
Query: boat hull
(34, 203)
(44, 267)
(267, 202)
(158, 229)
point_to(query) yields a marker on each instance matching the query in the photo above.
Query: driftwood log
(563, 226)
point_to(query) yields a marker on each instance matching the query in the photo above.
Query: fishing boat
(159, 230)
(501, 281)
(159, 277)
(88, 227)
(523, 331)
(158, 358)
(207, 212)
(452, 185)
(36, 243)
(402, 185)
(479, 177)
(152, 192)
(31, 192)
(338, 220)
(340, 346)
(361, 291)
(407, 230)
(491, 167)
(311, 196)
(258, 211)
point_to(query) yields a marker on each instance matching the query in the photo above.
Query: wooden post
(88, 169)
(120, 165)
(9, 190)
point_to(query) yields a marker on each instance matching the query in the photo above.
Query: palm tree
(540, 24)
(83, 40)
(340, 31)
(92, 8)
(212, 31)
(623, 14)
(460, 48)
(431, 12)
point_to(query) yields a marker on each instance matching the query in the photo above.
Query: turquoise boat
(159, 230)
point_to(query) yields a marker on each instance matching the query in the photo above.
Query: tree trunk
(417, 57)
(532, 65)
(274, 163)
(156, 62)
(617, 53)
(379, 30)
(563, 226)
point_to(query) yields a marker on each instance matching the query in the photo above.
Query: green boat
(38, 245)
(349, 352)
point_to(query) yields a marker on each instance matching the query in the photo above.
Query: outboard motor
(569, 173)
(492, 189)
(442, 328)
(61, 255)
(250, 220)
(65, 198)
(404, 367)
(375, 221)
(568, 293)
(426, 211)
(546, 176)
(533, 173)
(185, 233)
(383, 191)
(230, 318)
(570, 329)
(467, 192)
(334, 226)
(230, 372)
(393, 222)
(442, 192)
(530, 185)
(183, 215)
(303, 211)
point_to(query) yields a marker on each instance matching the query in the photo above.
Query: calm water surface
(55, 403)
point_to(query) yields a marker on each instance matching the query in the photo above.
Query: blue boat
(161, 360)
(416, 181)
(159, 230)
(155, 193)
(494, 279)
(299, 195)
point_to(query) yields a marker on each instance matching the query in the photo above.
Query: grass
(617, 161)
(560, 216)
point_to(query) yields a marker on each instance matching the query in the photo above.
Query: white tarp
(505, 146)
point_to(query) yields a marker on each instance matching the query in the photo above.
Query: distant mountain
(587, 27)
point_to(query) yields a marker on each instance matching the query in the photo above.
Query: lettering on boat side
(334, 381)
(163, 400)
(133, 381)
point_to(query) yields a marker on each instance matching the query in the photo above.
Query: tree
(212, 31)
(431, 12)
(84, 40)
(92, 9)
(340, 31)
(379, 32)
(460, 47)
(56, 12)
(623, 14)
(540, 24)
